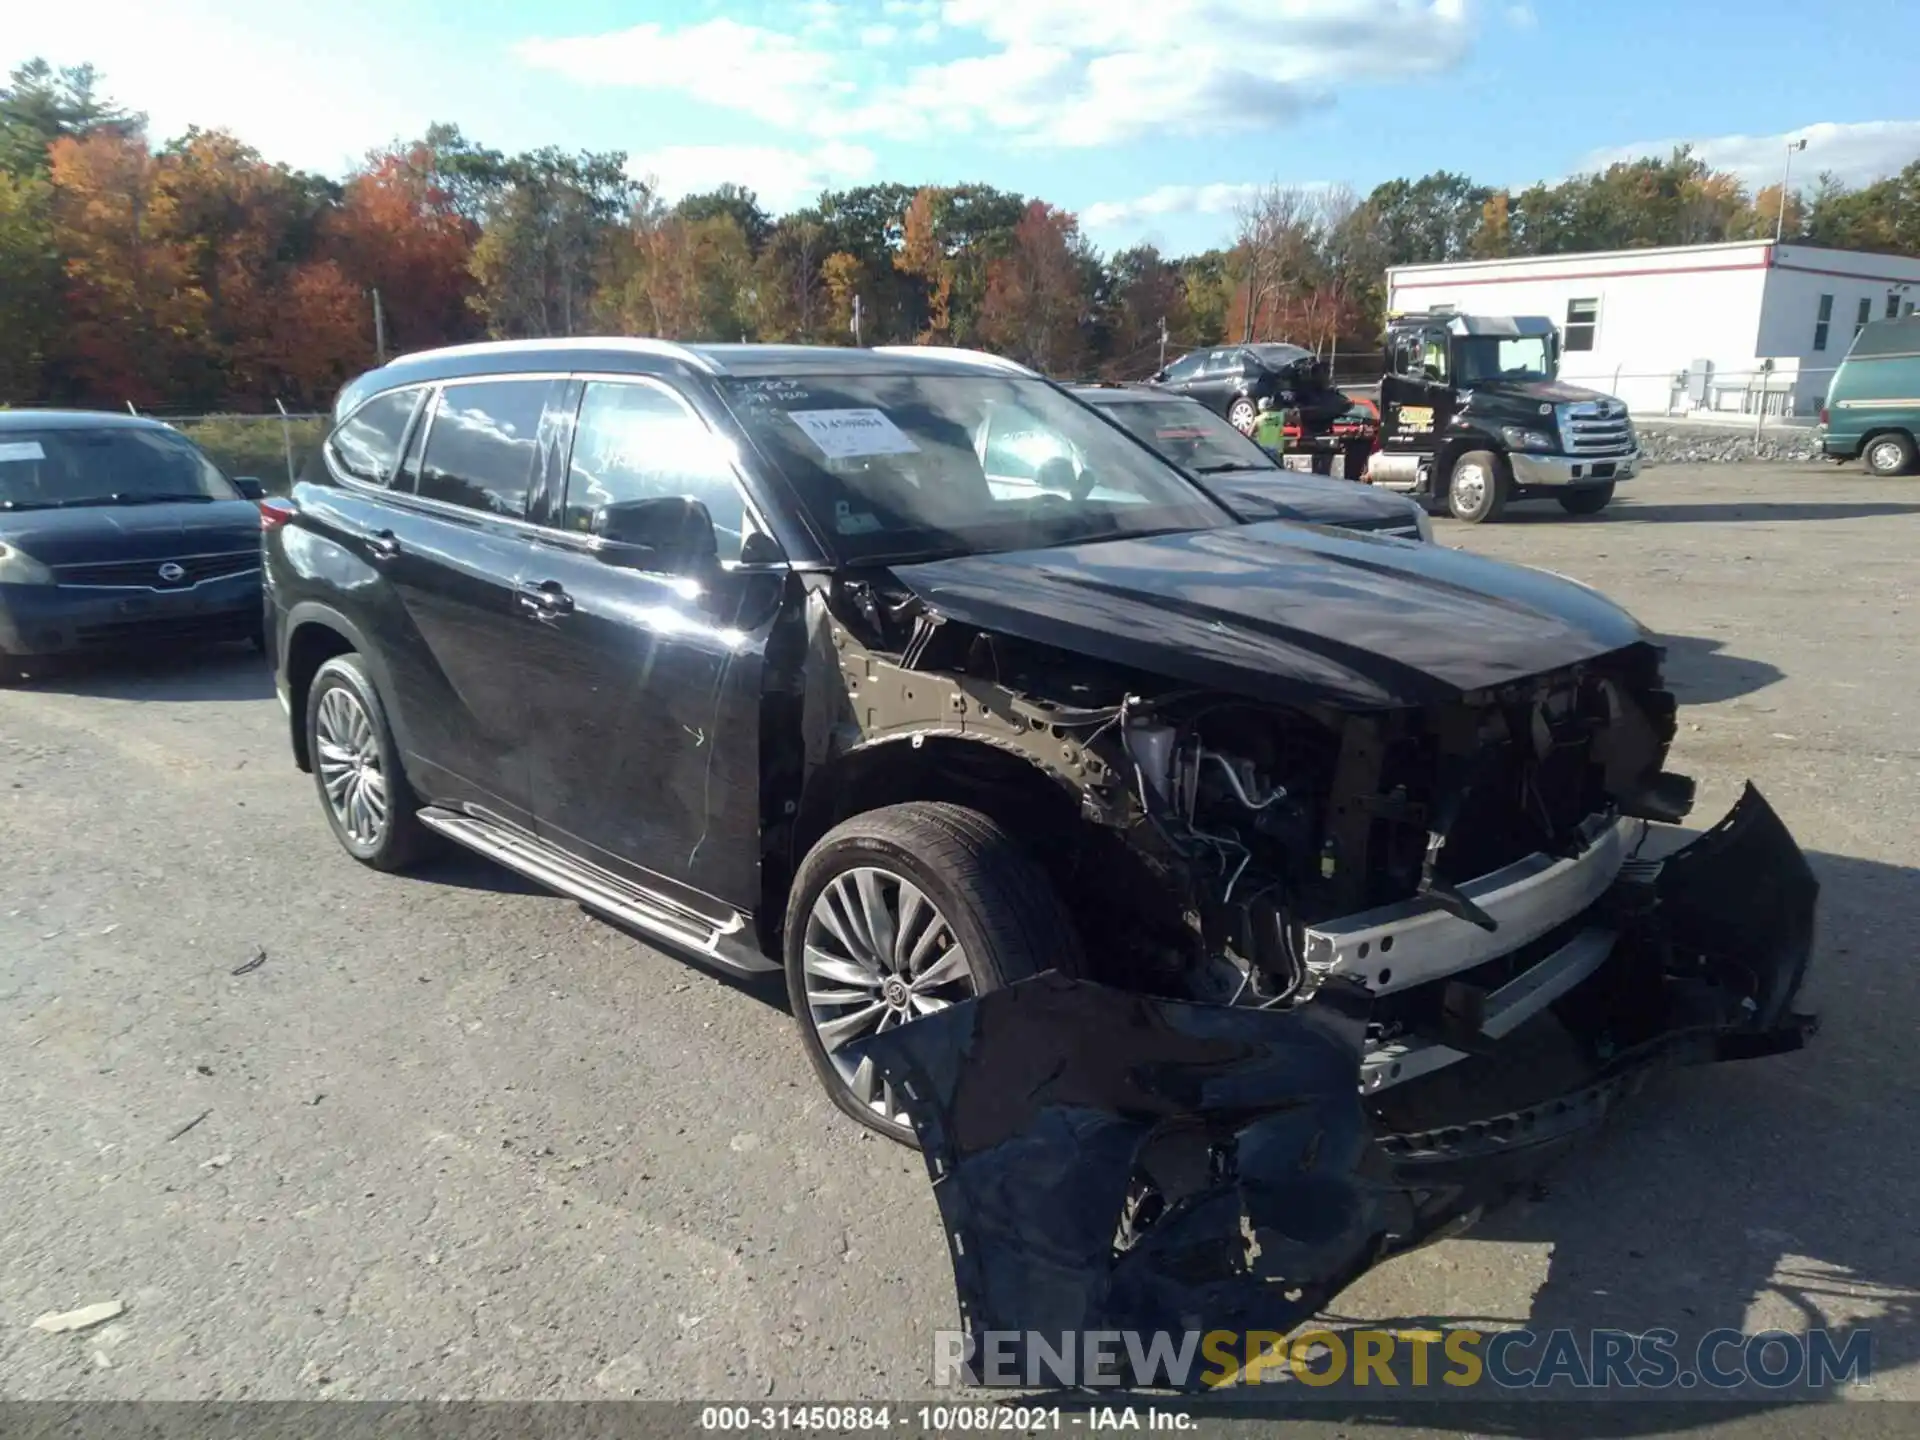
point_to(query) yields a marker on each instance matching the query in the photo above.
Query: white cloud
(1857, 153)
(782, 179)
(309, 96)
(879, 37)
(1167, 200)
(768, 75)
(1068, 73)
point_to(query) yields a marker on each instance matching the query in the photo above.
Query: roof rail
(645, 345)
(980, 358)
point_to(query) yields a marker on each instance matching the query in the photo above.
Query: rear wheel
(1889, 454)
(356, 767)
(1243, 415)
(1587, 500)
(1479, 487)
(899, 913)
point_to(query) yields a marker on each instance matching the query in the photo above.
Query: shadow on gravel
(171, 674)
(1700, 674)
(1639, 512)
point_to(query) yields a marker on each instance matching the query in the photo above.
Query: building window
(1863, 316)
(1825, 320)
(1583, 318)
(1893, 306)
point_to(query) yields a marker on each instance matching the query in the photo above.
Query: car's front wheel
(899, 913)
(356, 766)
(1587, 500)
(1479, 487)
(1243, 415)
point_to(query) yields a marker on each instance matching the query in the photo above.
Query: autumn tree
(399, 229)
(738, 204)
(29, 286)
(549, 225)
(40, 105)
(1144, 293)
(923, 255)
(133, 315)
(683, 279)
(792, 298)
(1035, 299)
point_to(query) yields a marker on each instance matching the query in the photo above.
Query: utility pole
(1780, 225)
(1163, 342)
(856, 321)
(379, 326)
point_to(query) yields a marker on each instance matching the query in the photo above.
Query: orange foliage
(397, 231)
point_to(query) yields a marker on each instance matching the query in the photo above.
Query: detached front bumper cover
(1110, 1161)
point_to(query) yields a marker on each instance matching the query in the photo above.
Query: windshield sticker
(22, 450)
(848, 434)
(849, 521)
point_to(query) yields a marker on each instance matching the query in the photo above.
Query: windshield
(906, 467)
(1190, 435)
(1487, 357)
(45, 469)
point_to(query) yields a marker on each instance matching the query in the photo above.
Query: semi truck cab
(1472, 416)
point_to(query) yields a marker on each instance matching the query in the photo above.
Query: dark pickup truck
(1222, 906)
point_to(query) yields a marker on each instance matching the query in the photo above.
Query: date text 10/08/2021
(938, 1419)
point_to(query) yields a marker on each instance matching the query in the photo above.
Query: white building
(1688, 327)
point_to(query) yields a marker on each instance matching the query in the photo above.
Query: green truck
(1872, 412)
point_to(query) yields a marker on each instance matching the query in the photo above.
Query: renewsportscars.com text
(1430, 1360)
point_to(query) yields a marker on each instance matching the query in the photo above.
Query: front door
(1416, 398)
(452, 543)
(646, 712)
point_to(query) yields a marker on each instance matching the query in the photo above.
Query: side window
(483, 445)
(1824, 323)
(1187, 366)
(1433, 355)
(639, 442)
(367, 443)
(1583, 320)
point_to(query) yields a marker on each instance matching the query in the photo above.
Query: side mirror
(249, 487)
(669, 532)
(1159, 377)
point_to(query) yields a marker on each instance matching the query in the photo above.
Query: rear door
(453, 547)
(645, 694)
(1213, 387)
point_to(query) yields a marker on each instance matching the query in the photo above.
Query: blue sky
(1147, 117)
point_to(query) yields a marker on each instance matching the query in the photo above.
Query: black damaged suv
(1172, 879)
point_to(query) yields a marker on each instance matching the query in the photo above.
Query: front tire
(1587, 500)
(903, 911)
(1889, 455)
(356, 768)
(1243, 415)
(1479, 487)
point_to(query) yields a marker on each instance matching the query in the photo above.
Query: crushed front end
(1110, 1161)
(1361, 844)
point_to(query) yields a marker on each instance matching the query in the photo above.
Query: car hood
(1273, 494)
(1538, 392)
(1286, 612)
(90, 534)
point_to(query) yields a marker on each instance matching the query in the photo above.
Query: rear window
(119, 465)
(367, 443)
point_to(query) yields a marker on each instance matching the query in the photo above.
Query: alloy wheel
(1241, 416)
(1468, 489)
(348, 757)
(878, 954)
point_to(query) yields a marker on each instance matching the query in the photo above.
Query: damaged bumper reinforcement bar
(1106, 1160)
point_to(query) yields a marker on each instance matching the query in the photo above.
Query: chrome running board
(655, 915)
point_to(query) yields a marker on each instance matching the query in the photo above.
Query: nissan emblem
(172, 573)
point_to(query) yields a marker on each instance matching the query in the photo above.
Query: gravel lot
(455, 1138)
